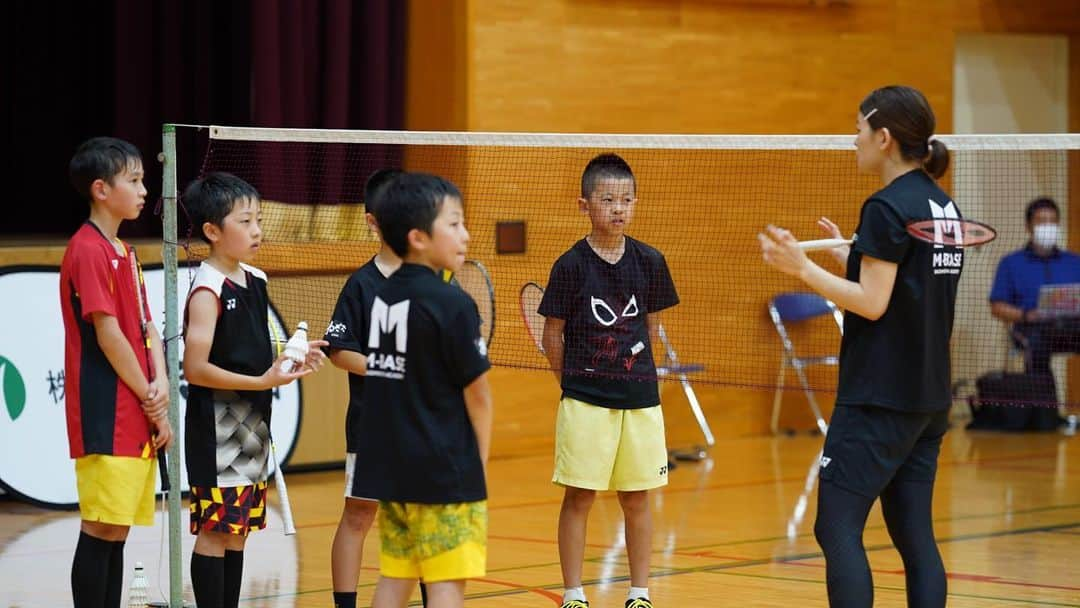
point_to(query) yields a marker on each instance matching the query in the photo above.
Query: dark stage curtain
(124, 67)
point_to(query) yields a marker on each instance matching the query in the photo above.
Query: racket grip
(820, 244)
(163, 470)
(283, 498)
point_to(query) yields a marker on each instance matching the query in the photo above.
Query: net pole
(172, 356)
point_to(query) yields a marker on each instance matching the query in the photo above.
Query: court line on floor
(713, 568)
(959, 576)
(898, 589)
(698, 548)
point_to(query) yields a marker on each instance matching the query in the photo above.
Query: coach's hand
(780, 249)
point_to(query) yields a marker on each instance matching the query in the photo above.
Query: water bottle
(137, 594)
(296, 349)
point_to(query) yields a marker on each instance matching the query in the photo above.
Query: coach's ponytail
(938, 161)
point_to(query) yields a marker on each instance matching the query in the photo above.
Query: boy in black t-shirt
(230, 364)
(427, 406)
(348, 347)
(601, 307)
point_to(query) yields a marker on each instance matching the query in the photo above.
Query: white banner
(34, 454)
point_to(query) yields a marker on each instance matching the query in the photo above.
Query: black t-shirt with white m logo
(424, 347)
(346, 331)
(901, 361)
(607, 357)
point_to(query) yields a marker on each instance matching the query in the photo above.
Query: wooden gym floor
(735, 530)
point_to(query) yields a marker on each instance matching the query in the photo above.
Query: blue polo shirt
(1021, 273)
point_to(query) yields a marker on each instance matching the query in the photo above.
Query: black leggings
(841, 519)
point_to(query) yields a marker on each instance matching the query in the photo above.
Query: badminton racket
(283, 494)
(282, 490)
(137, 281)
(530, 297)
(475, 280)
(951, 232)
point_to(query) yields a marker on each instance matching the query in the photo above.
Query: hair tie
(930, 144)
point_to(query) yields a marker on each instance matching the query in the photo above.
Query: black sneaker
(638, 602)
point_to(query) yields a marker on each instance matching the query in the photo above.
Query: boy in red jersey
(117, 408)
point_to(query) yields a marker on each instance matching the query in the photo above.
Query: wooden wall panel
(694, 66)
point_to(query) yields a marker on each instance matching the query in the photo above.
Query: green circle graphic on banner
(12, 389)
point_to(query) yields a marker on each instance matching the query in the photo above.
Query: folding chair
(796, 307)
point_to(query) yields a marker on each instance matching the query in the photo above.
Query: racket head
(952, 232)
(529, 298)
(474, 279)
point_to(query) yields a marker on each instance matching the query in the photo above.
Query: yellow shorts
(116, 490)
(433, 542)
(599, 448)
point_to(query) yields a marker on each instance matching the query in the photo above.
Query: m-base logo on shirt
(946, 222)
(388, 320)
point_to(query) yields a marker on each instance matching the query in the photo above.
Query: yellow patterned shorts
(117, 490)
(433, 542)
(236, 510)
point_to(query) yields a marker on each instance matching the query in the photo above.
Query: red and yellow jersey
(104, 416)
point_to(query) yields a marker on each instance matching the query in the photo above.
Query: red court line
(959, 576)
(557, 599)
(545, 541)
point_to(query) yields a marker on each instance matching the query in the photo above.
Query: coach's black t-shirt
(901, 361)
(607, 357)
(425, 348)
(346, 331)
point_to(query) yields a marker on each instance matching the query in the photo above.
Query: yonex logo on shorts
(825, 460)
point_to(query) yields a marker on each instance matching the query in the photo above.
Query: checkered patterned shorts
(236, 510)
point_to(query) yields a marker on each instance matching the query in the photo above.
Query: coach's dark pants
(873, 452)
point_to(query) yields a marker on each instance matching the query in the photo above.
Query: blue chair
(797, 307)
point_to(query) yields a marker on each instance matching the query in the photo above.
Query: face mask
(1045, 235)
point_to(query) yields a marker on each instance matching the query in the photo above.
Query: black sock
(116, 575)
(90, 571)
(344, 600)
(234, 575)
(208, 580)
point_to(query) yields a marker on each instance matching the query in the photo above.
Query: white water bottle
(296, 349)
(138, 592)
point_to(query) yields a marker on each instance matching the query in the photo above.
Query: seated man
(1014, 297)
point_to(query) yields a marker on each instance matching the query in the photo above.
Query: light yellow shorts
(116, 490)
(599, 448)
(433, 542)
